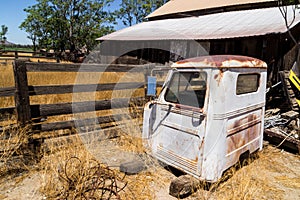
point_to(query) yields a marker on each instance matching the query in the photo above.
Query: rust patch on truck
(221, 61)
(218, 77)
(243, 123)
(242, 132)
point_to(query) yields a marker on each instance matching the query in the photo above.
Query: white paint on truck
(209, 112)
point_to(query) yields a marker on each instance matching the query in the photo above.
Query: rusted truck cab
(210, 112)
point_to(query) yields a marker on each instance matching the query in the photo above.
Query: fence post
(22, 94)
(16, 55)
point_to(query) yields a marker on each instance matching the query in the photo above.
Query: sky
(12, 15)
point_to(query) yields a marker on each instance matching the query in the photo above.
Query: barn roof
(181, 6)
(214, 26)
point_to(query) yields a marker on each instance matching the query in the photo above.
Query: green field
(14, 48)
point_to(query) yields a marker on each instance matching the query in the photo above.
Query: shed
(260, 33)
(185, 8)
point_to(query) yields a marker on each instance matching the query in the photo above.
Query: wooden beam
(7, 92)
(284, 141)
(65, 67)
(80, 123)
(21, 95)
(79, 107)
(63, 89)
(9, 110)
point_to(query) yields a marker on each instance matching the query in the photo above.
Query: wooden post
(16, 55)
(21, 95)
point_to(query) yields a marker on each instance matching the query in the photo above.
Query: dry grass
(12, 141)
(70, 169)
(6, 75)
(247, 182)
(71, 173)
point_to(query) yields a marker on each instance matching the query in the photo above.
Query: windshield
(187, 88)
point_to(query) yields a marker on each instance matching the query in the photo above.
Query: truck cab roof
(220, 61)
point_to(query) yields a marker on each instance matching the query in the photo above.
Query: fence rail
(65, 67)
(9, 54)
(32, 114)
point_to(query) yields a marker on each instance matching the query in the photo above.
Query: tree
(67, 24)
(33, 25)
(134, 11)
(3, 32)
(282, 4)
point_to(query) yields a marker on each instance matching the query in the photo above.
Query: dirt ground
(275, 174)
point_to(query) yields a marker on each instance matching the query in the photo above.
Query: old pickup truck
(209, 113)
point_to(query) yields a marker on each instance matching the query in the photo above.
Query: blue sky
(12, 15)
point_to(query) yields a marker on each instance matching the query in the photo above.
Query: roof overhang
(233, 24)
(182, 6)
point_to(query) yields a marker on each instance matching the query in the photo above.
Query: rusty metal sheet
(215, 26)
(220, 61)
(276, 137)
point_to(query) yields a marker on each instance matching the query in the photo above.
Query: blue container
(151, 89)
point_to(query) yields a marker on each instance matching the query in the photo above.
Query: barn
(178, 30)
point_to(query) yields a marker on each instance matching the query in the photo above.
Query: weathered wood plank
(8, 51)
(284, 141)
(79, 107)
(7, 56)
(9, 110)
(62, 140)
(65, 67)
(7, 92)
(21, 95)
(80, 123)
(62, 89)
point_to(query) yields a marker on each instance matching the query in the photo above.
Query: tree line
(72, 24)
(3, 32)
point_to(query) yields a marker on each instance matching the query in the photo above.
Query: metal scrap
(283, 128)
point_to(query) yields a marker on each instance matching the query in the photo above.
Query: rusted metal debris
(283, 129)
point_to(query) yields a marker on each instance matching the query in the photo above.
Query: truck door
(177, 121)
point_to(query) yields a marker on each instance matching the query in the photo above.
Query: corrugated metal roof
(179, 6)
(215, 26)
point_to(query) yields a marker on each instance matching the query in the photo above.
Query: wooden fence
(12, 55)
(32, 114)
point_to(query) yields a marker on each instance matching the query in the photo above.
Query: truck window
(187, 88)
(247, 83)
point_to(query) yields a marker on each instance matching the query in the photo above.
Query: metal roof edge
(159, 13)
(234, 24)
